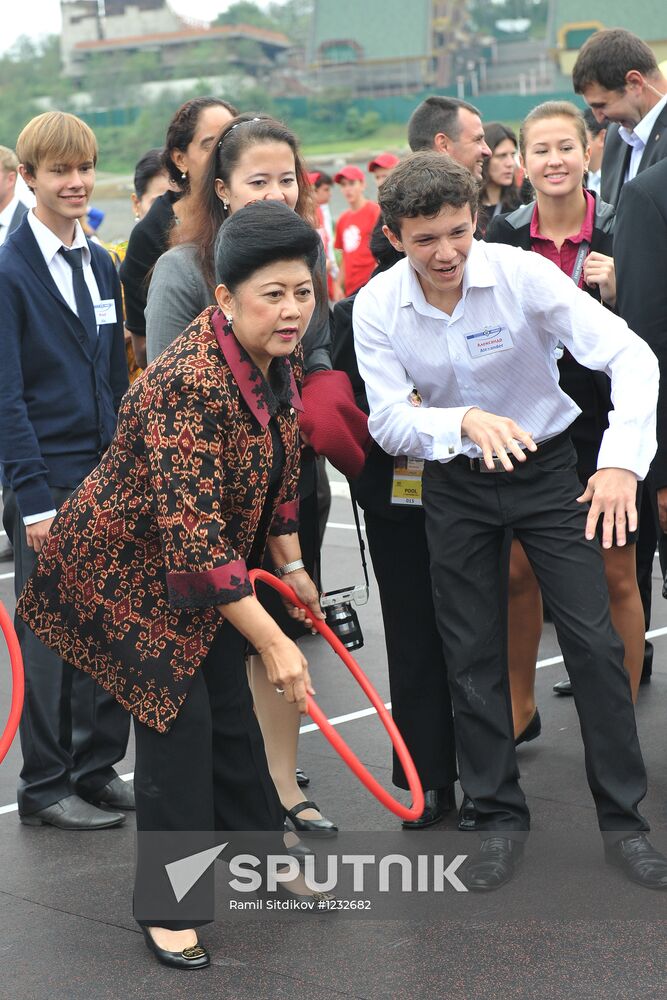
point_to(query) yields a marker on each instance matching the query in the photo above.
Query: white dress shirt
(6, 217)
(403, 343)
(49, 245)
(594, 180)
(639, 136)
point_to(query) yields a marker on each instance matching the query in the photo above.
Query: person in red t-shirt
(353, 230)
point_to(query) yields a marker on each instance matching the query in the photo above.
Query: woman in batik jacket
(143, 581)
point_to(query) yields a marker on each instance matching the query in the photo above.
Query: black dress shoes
(531, 732)
(118, 794)
(310, 827)
(494, 864)
(563, 687)
(73, 813)
(302, 778)
(437, 802)
(195, 957)
(638, 859)
(467, 815)
(298, 849)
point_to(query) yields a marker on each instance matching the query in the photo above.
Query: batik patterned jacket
(157, 536)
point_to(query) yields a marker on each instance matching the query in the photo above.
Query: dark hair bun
(260, 234)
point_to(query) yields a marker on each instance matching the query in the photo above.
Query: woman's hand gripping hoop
(337, 742)
(18, 682)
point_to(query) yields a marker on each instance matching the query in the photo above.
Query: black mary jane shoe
(310, 827)
(302, 778)
(467, 815)
(639, 861)
(437, 802)
(494, 864)
(531, 732)
(195, 957)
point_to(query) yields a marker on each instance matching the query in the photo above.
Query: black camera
(341, 617)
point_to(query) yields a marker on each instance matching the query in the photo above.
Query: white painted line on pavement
(365, 712)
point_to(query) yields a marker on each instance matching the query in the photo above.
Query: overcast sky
(42, 17)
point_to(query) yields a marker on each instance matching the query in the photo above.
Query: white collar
(641, 133)
(50, 244)
(7, 213)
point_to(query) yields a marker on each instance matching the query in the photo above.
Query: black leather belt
(543, 448)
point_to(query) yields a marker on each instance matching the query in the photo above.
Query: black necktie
(84, 303)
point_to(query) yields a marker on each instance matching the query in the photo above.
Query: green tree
(244, 12)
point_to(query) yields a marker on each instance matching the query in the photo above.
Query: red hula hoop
(18, 682)
(334, 738)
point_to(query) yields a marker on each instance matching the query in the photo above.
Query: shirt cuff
(34, 518)
(286, 519)
(448, 443)
(208, 588)
(621, 450)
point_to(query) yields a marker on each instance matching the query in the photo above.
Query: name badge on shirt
(105, 312)
(491, 340)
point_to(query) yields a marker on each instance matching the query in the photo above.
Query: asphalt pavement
(567, 927)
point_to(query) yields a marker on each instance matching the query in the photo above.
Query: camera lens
(343, 622)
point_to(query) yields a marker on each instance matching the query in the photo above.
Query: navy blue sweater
(58, 403)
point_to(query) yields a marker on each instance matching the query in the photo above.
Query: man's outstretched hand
(612, 493)
(496, 436)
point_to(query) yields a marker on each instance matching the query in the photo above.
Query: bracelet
(290, 567)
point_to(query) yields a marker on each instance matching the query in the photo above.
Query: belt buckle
(478, 465)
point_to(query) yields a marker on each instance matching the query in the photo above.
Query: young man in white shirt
(456, 346)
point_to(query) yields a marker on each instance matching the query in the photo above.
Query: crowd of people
(492, 327)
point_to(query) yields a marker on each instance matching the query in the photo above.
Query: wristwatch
(290, 567)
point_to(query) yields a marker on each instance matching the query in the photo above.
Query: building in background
(572, 22)
(174, 45)
(388, 47)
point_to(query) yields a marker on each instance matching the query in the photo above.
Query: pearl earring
(184, 175)
(225, 205)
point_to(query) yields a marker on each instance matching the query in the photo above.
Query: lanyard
(584, 247)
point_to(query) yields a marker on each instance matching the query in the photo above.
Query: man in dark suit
(61, 382)
(11, 214)
(618, 76)
(640, 243)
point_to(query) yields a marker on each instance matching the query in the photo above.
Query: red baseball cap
(349, 173)
(385, 161)
(314, 176)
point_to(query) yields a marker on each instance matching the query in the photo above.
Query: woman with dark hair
(256, 159)
(143, 581)
(573, 228)
(191, 135)
(151, 179)
(498, 192)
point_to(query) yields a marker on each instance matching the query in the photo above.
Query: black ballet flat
(531, 732)
(195, 957)
(310, 827)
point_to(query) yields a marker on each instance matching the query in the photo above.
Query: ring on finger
(280, 690)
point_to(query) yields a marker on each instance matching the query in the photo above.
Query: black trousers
(420, 700)
(209, 771)
(72, 732)
(467, 513)
(650, 535)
